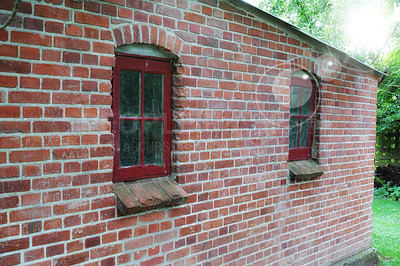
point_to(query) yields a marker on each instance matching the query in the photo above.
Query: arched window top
(146, 50)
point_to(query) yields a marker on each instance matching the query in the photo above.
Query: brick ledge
(142, 195)
(304, 169)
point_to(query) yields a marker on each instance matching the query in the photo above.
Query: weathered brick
(49, 238)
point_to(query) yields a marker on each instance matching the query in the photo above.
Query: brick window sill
(304, 169)
(148, 194)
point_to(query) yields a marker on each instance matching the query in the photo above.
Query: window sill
(148, 194)
(304, 169)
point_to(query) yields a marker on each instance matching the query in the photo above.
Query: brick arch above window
(302, 64)
(147, 34)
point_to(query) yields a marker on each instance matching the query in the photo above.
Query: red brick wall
(231, 108)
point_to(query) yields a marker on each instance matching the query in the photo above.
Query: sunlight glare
(368, 28)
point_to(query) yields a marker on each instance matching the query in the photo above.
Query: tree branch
(14, 12)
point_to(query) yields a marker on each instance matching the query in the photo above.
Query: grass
(386, 230)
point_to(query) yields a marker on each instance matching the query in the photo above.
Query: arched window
(302, 109)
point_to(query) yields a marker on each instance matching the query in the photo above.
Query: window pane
(153, 142)
(304, 132)
(153, 94)
(129, 93)
(305, 100)
(129, 142)
(293, 132)
(294, 100)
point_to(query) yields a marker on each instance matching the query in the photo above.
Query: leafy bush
(381, 193)
(387, 191)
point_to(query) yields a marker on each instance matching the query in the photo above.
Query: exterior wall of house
(230, 145)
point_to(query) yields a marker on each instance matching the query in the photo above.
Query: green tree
(388, 103)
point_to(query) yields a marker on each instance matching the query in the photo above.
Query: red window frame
(143, 65)
(303, 153)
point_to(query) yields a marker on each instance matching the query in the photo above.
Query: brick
(29, 97)
(53, 112)
(54, 250)
(51, 12)
(30, 83)
(73, 30)
(52, 168)
(9, 202)
(31, 227)
(50, 69)
(8, 81)
(33, 255)
(71, 57)
(9, 171)
(30, 199)
(91, 33)
(10, 142)
(100, 74)
(153, 261)
(15, 66)
(54, 27)
(189, 16)
(68, 154)
(14, 259)
(51, 182)
(51, 126)
(15, 186)
(70, 98)
(31, 170)
(13, 127)
(33, 24)
(77, 206)
(34, 112)
(33, 141)
(92, 242)
(8, 50)
(14, 245)
(30, 53)
(29, 156)
(10, 111)
(73, 112)
(51, 141)
(30, 214)
(106, 251)
(88, 230)
(86, 18)
(31, 38)
(74, 44)
(50, 84)
(50, 238)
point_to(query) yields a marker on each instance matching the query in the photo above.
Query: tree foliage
(388, 109)
(315, 17)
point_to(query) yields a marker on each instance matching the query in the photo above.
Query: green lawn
(386, 230)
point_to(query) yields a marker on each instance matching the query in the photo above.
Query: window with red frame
(141, 117)
(302, 107)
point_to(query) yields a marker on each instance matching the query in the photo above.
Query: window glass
(129, 96)
(129, 142)
(293, 133)
(153, 142)
(306, 100)
(153, 94)
(294, 100)
(304, 133)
